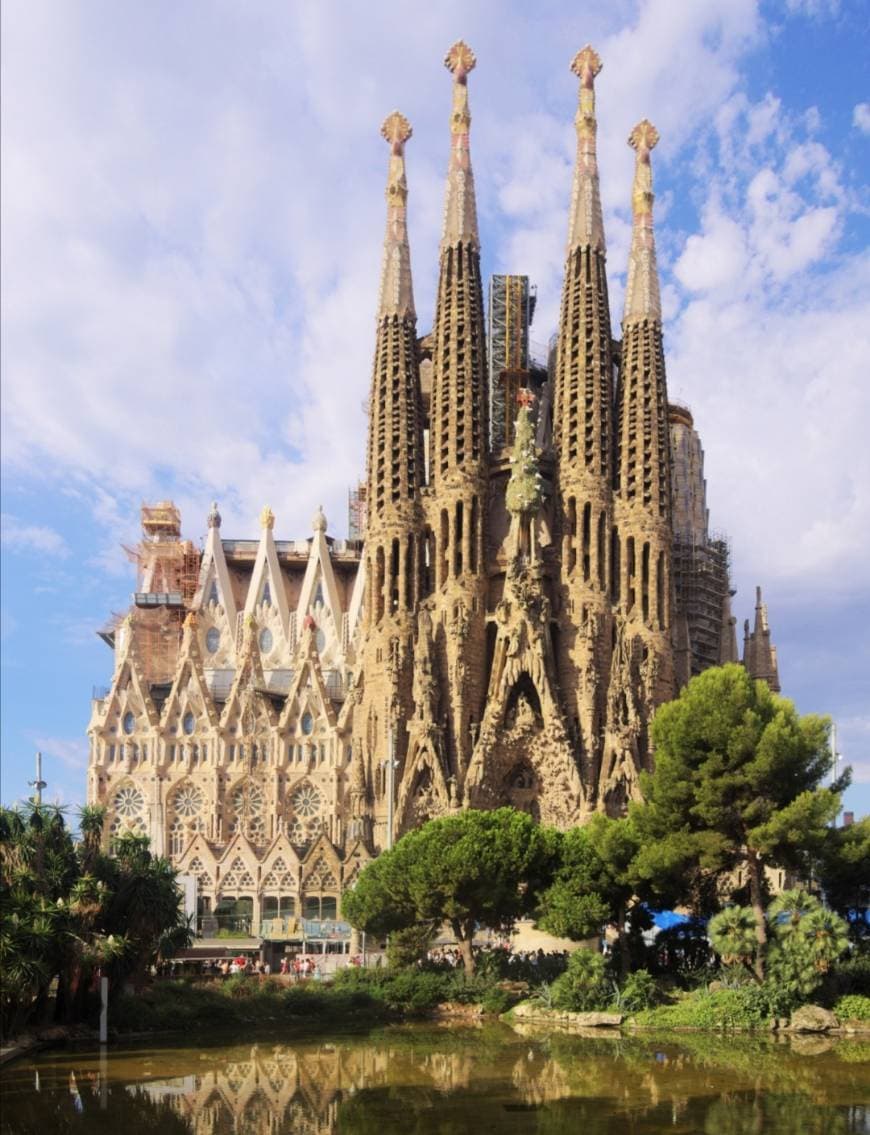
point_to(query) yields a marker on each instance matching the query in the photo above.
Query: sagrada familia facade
(280, 711)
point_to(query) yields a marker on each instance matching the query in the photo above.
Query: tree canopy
(470, 869)
(69, 909)
(736, 780)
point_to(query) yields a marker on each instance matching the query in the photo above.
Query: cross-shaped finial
(460, 59)
(644, 136)
(586, 64)
(396, 129)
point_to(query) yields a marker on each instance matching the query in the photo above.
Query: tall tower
(642, 669)
(394, 553)
(457, 493)
(759, 653)
(583, 398)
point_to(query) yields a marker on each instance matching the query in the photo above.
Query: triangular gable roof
(213, 569)
(319, 569)
(189, 672)
(266, 568)
(307, 665)
(128, 670)
(238, 845)
(249, 680)
(323, 850)
(281, 848)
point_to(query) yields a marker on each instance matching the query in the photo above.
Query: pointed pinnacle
(643, 137)
(397, 293)
(642, 293)
(460, 208)
(460, 59)
(396, 129)
(586, 226)
(586, 64)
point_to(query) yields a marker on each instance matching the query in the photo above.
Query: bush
(583, 986)
(640, 991)
(853, 1007)
(746, 1007)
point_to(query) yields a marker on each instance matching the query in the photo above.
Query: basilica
(528, 576)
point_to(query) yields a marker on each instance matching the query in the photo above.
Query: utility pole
(38, 784)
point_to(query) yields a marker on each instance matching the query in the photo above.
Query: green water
(446, 1080)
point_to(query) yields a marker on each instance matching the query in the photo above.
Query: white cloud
(72, 752)
(20, 537)
(861, 117)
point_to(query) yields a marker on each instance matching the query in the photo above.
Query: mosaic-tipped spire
(395, 450)
(460, 209)
(586, 227)
(583, 387)
(642, 298)
(397, 293)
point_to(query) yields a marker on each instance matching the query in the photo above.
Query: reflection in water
(415, 1079)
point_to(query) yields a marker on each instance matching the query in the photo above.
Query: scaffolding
(356, 512)
(167, 574)
(511, 308)
(703, 593)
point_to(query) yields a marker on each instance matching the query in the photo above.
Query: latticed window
(280, 877)
(238, 877)
(129, 801)
(321, 877)
(187, 801)
(197, 867)
(247, 799)
(306, 801)
(301, 832)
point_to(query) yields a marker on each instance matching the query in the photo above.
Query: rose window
(187, 801)
(247, 798)
(306, 801)
(129, 801)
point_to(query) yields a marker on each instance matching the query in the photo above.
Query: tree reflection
(417, 1080)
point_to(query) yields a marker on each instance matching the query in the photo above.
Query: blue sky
(192, 213)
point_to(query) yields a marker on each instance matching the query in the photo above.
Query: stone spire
(397, 293)
(586, 227)
(643, 464)
(642, 298)
(759, 655)
(459, 392)
(584, 385)
(460, 210)
(458, 434)
(582, 436)
(641, 552)
(395, 451)
(394, 552)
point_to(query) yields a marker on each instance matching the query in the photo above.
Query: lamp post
(835, 757)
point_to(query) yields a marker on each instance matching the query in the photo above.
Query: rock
(595, 1020)
(812, 1019)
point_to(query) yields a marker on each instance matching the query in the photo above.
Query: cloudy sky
(192, 211)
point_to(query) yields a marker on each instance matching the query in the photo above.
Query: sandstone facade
(280, 711)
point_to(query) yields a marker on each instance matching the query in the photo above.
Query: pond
(418, 1079)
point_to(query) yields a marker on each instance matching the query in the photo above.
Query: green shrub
(746, 1007)
(640, 991)
(853, 1007)
(583, 986)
